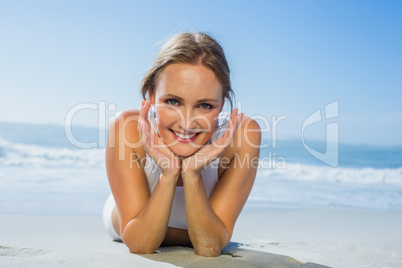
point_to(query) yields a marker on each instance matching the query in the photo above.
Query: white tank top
(209, 174)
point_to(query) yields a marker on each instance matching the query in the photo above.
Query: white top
(209, 175)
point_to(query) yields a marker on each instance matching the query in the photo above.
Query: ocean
(43, 172)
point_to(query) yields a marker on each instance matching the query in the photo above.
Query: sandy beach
(262, 238)
(321, 78)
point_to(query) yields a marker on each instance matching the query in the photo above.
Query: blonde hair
(192, 48)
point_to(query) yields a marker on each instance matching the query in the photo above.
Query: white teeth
(185, 137)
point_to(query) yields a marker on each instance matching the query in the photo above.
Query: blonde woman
(179, 171)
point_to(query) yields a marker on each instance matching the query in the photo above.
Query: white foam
(16, 154)
(304, 172)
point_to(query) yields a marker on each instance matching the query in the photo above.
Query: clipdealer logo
(328, 115)
(331, 154)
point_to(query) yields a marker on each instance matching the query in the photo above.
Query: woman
(180, 174)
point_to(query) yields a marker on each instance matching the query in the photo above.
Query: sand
(263, 238)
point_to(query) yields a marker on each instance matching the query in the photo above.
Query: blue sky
(288, 58)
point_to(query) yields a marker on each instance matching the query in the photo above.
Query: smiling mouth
(185, 137)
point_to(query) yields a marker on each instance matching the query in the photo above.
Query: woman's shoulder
(250, 123)
(248, 134)
(126, 118)
(247, 138)
(124, 127)
(128, 113)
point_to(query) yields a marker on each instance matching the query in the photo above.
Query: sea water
(43, 172)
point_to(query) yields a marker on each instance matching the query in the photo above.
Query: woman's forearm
(206, 231)
(145, 233)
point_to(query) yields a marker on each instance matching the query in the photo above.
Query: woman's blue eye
(172, 102)
(206, 106)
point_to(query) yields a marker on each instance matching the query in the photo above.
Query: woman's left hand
(194, 164)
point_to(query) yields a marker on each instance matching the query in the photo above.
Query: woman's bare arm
(211, 221)
(206, 231)
(143, 217)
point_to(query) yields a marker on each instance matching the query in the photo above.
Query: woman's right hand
(168, 162)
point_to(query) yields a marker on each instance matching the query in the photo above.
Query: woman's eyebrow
(173, 96)
(181, 99)
(208, 100)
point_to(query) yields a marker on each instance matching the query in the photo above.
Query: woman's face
(188, 99)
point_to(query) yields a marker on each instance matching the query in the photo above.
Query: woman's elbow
(139, 247)
(142, 249)
(211, 247)
(207, 251)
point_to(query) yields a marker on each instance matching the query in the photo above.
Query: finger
(143, 132)
(216, 149)
(141, 118)
(148, 138)
(234, 112)
(144, 126)
(231, 130)
(235, 117)
(234, 122)
(223, 142)
(239, 118)
(145, 110)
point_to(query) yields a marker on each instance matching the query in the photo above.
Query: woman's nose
(189, 121)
